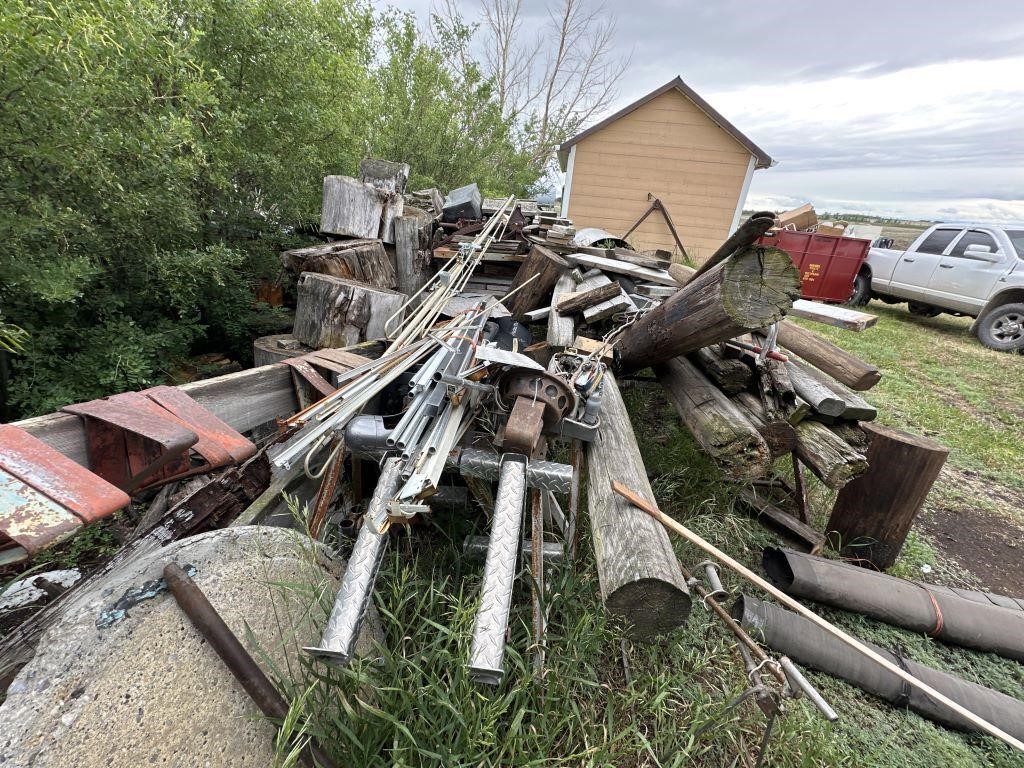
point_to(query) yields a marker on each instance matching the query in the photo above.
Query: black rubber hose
(936, 611)
(790, 634)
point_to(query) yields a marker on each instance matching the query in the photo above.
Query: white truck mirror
(980, 253)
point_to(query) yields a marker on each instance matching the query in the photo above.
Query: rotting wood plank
(827, 357)
(659, 276)
(830, 314)
(637, 569)
(544, 267)
(561, 328)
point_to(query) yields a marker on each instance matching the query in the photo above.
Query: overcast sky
(901, 107)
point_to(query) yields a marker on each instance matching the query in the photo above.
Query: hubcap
(1009, 327)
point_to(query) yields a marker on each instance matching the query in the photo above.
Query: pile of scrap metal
(478, 336)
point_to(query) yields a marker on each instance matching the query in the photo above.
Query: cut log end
(650, 607)
(759, 286)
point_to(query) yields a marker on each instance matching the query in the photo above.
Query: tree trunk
(561, 328)
(826, 356)
(827, 455)
(637, 568)
(351, 208)
(873, 514)
(547, 266)
(363, 261)
(332, 312)
(412, 254)
(748, 291)
(714, 421)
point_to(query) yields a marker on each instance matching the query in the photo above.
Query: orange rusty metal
(215, 436)
(30, 521)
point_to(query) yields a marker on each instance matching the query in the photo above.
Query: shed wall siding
(670, 148)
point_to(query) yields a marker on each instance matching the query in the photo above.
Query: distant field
(904, 234)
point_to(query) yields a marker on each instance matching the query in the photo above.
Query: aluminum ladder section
(488, 649)
(339, 639)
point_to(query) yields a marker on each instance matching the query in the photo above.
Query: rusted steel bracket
(45, 497)
(140, 439)
(657, 205)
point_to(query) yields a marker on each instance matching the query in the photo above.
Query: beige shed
(672, 145)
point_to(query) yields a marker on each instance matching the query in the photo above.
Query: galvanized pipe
(215, 631)
(342, 630)
(488, 648)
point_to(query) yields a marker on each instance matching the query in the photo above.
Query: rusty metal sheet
(213, 433)
(309, 374)
(55, 475)
(29, 519)
(129, 445)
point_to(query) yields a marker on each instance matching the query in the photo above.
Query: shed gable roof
(761, 157)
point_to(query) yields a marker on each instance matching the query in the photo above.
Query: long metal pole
(680, 529)
(211, 626)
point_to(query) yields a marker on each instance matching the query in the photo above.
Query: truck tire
(1002, 328)
(861, 290)
(923, 310)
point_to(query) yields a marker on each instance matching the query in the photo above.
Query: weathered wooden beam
(544, 266)
(715, 422)
(584, 299)
(561, 328)
(821, 398)
(830, 314)
(826, 356)
(413, 258)
(827, 455)
(768, 513)
(873, 514)
(778, 434)
(351, 208)
(637, 569)
(854, 407)
(617, 267)
(364, 261)
(749, 291)
(731, 375)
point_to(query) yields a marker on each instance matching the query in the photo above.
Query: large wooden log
(826, 356)
(561, 328)
(364, 261)
(873, 514)
(731, 375)
(748, 291)
(779, 434)
(827, 455)
(351, 208)
(546, 265)
(637, 569)
(855, 407)
(413, 257)
(332, 312)
(389, 179)
(715, 422)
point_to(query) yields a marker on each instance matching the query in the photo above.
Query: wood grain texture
(827, 455)
(364, 261)
(545, 266)
(333, 312)
(413, 257)
(731, 375)
(778, 434)
(750, 290)
(561, 328)
(830, 314)
(351, 208)
(826, 356)
(637, 569)
(873, 513)
(722, 430)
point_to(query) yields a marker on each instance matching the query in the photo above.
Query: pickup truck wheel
(861, 290)
(923, 310)
(1002, 329)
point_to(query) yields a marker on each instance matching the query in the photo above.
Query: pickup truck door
(914, 269)
(964, 283)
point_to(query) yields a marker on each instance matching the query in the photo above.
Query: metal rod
(211, 626)
(488, 649)
(537, 572)
(339, 639)
(676, 527)
(797, 680)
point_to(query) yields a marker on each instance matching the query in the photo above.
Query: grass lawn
(605, 702)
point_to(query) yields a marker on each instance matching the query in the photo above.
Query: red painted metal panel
(828, 264)
(218, 443)
(55, 475)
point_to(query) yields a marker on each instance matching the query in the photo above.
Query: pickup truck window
(974, 237)
(937, 241)
(1017, 238)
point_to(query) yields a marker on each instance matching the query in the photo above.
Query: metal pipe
(338, 643)
(488, 648)
(215, 631)
(475, 547)
(546, 475)
(798, 681)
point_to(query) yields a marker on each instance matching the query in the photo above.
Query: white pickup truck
(964, 269)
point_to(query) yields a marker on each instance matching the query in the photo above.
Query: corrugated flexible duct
(803, 641)
(938, 612)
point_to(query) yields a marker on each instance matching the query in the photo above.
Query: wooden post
(547, 266)
(561, 328)
(364, 261)
(873, 514)
(412, 254)
(714, 421)
(827, 455)
(778, 434)
(826, 356)
(332, 312)
(746, 292)
(730, 374)
(637, 569)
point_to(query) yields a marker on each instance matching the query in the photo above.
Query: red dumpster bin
(828, 264)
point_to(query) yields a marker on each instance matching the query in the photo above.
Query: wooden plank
(831, 314)
(561, 328)
(659, 276)
(581, 300)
